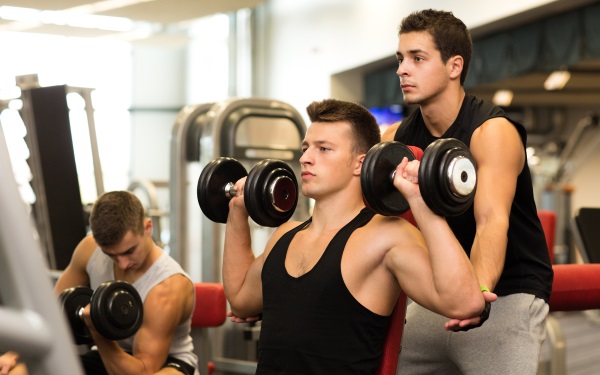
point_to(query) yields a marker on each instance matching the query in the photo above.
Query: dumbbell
(270, 190)
(116, 310)
(447, 177)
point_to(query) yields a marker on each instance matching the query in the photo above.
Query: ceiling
(159, 14)
(582, 90)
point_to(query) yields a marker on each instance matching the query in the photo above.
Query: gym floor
(582, 335)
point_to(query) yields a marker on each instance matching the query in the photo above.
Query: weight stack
(57, 211)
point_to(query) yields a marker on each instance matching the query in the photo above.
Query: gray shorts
(509, 342)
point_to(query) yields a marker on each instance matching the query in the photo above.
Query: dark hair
(450, 35)
(114, 214)
(365, 130)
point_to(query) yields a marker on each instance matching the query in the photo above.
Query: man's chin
(409, 100)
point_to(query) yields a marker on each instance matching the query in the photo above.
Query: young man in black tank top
(327, 287)
(501, 232)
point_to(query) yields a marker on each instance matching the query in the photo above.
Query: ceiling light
(557, 80)
(18, 14)
(502, 98)
(82, 16)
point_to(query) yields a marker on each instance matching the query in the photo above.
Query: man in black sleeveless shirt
(501, 232)
(327, 287)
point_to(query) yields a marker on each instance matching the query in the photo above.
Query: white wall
(586, 175)
(306, 43)
(310, 40)
(158, 94)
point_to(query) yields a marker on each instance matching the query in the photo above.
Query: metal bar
(179, 184)
(556, 338)
(86, 93)
(25, 284)
(24, 331)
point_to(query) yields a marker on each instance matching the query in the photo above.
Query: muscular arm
(241, 270)
(166, 306)
(433, 269)
(500, 156)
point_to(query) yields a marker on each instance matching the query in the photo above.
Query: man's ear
(147, 225)
(455, 65)
(358, 164)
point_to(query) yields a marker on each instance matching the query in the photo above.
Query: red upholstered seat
(210, 309)
(576, 287)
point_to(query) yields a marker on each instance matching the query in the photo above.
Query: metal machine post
(30, 320)
(248, 130)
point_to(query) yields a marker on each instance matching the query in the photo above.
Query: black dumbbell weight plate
(72, 301)
(447, 177)
(271, 193)
(215, 176)
(117, 310)
(378, 188)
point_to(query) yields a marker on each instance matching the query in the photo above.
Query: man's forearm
(488, 254)
(237, 255)
(118, 362)
(453, 276)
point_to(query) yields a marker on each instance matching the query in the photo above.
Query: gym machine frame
(200, 134)
(30, 320)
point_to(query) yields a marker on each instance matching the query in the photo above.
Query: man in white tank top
(121, 248)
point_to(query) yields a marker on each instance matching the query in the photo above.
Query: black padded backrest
(588, 225)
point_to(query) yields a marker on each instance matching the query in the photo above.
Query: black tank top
(527, 267)
(312, 324)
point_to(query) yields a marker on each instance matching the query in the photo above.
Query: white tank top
(100, 268)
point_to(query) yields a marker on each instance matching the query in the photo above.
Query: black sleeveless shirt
(312, 324)
(527, 267)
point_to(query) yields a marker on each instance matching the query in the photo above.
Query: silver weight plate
(462, 176)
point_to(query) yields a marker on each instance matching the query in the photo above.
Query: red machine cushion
(576, 287)
(548, 220)
(210, 309)
(391, 346)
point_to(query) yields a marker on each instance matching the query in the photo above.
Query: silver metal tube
(25, 285)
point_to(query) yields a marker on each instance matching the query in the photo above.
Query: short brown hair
(114, 214)
(364, 127)
(450, 35)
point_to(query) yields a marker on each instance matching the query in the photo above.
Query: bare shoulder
(496, 140)
(390, 132)
(86, 246)
(83, 252)
(393, 225)
(389, 233)
(76, 272)
(172, 297)
(177, 285)
(496, 131)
